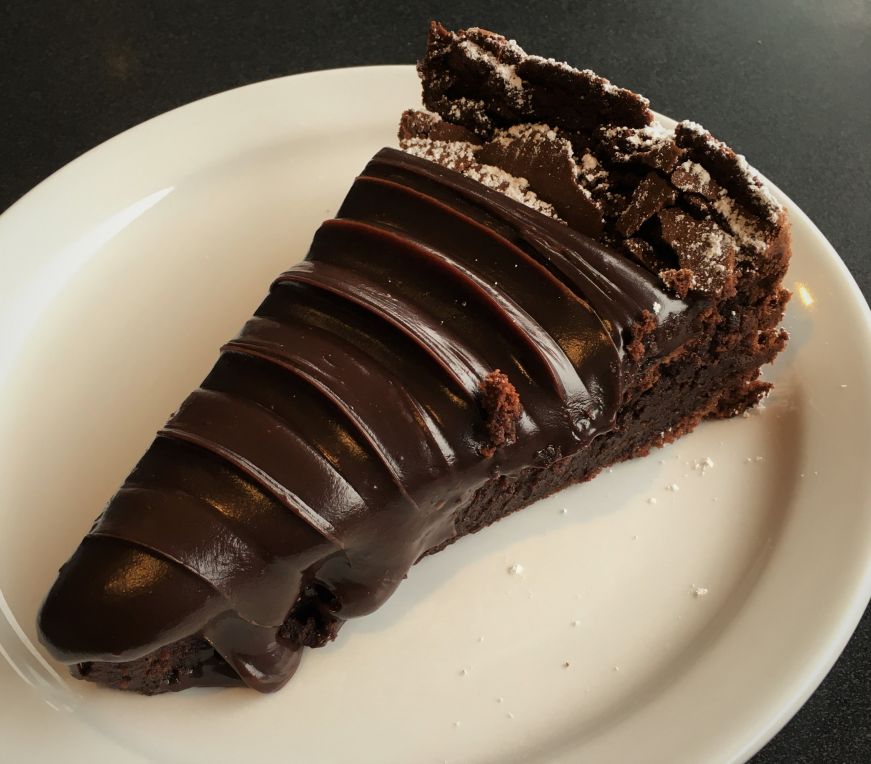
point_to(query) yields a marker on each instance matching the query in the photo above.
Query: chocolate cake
(543, 282)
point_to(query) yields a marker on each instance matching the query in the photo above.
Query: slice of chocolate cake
(543, 283)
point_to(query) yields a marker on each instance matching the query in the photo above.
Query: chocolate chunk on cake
(543, 282)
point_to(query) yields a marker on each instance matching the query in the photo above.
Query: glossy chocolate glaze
(337, 435)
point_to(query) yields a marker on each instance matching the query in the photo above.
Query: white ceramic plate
(693, 627)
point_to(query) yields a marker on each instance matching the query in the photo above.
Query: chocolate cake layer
(337, 436)
(510, 305)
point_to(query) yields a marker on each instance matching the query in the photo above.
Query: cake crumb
(500, 700)
(673, 487)
(464, 672)
(652, 500)
(656, 308)
(516, 569)
(457, 724)
(510, 715)
(703, 465)
(502, 410)
(617, 668)
(566, 664)
(699, 591)
(576, 623)
(563, 511)
(843, 387)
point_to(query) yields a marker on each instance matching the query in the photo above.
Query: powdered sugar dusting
(534, 132)
(536, 135)
(557, 64)
(510, 45)
(592, 176)
(589, 162)
(514, 48)
(753, 183)
(705, 252)
(746, 233)
(642, 139)
(693, 127)
(462, 108)
(761, 193)
(454, 154)
(506, 72)
(697, 171)
(591, 76)
(692, 177)
(710, 277)
(513, 187)
(460, 156)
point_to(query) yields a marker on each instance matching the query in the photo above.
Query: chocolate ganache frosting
(334, 440)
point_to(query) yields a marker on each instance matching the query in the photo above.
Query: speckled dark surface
(787, 83)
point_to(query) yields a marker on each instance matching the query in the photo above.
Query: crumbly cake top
(571, 145)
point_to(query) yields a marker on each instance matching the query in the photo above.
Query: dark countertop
(786, 83)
